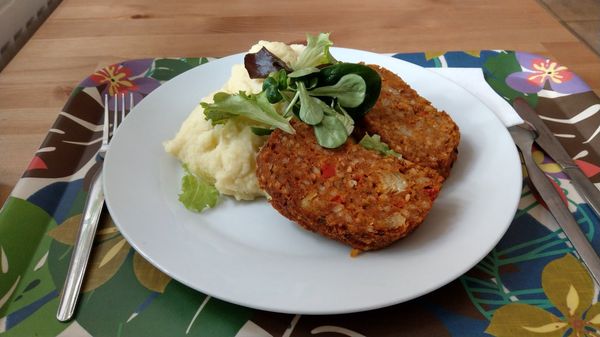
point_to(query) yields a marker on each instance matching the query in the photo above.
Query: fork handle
(82, 249)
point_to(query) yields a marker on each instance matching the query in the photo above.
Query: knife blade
(524, 139)
(550, 144)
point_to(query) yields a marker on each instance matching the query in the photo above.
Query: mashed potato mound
(226, 154)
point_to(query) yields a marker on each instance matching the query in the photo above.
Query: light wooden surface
(83, 35)
(581, 16)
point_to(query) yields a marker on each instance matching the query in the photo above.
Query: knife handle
(588, 191)
(563, 216)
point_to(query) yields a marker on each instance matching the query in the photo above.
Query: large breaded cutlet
(349, 194)
(410, 125)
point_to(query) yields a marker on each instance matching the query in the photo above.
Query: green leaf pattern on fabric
(23, 254)
(166, 69)
(496, 70)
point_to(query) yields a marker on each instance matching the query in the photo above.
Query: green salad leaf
(316, 52)
(254, 107)
(303, 72)
(349, 90)
(320, 91)
(331, 132)
(271, 89)
(345, 118)
(374, 143)
(260, 131)
(196, 193)
(311, 111)
(273, 84)
(332, 74)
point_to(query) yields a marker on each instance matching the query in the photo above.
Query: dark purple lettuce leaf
(262, 63)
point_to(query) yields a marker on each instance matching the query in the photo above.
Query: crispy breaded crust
(349, 194)
(411, 126)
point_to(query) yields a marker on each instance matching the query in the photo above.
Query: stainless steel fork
(90, 217)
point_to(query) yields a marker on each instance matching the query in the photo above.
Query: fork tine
(116, 114)
(130, 101)
(122, 106)
(106, 126)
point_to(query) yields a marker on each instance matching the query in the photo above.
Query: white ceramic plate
(246, 253)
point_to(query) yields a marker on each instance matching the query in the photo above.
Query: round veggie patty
(410, 125)
(350, 194)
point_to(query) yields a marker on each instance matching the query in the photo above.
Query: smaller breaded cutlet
(410, 125)
(349, 194)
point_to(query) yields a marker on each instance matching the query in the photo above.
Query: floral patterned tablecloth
(530, 284)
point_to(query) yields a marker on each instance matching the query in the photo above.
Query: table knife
(523, 138)
(550, 144)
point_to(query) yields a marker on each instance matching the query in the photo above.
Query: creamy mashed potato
(226, 154)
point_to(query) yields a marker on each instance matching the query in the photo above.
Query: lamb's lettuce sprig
(318, 89)
(316, 52)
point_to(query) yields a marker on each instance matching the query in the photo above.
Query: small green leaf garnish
(374, 143)
(321, 91)
(196, 193)
(339, 113)
(316, 52)
(349, 90)
(330, 75)
(254, 107)
(260, 131)
(282, 79)
(331, 132)
(310, 110)
(303, 72)
(289, 108)
(273, 85)
(346, 119)
(271, 89)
